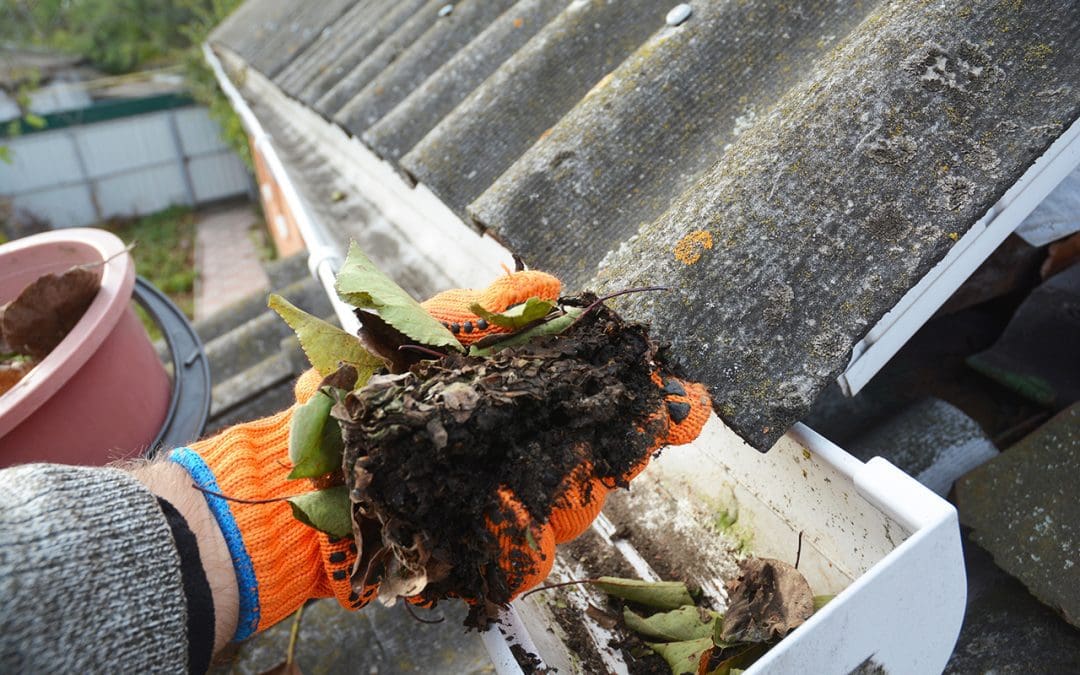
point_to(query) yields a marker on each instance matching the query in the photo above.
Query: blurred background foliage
(126, 36)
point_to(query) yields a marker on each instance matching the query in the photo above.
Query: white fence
(82, 174)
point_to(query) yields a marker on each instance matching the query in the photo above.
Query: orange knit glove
(279, 562)
(686, 409)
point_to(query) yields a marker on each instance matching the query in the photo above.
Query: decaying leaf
(326, 345)
(552, 327)
(46, 310)
(326, 510)
(13, 370)
(768, 600)
(732, 660)
(362, 285)
(315, 443)
(657, 594)
(385, 341)
(685, 623)
(683, 657)
(822, 600)
(516, 317)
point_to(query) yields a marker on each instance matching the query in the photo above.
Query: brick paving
(227, 259)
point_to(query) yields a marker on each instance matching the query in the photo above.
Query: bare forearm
(173, 483)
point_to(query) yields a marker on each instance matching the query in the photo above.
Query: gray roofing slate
(490, 129)
(334, 38)
(791, 170)
(408, 71)
(379, 58)
(383, 25)
(404, 126)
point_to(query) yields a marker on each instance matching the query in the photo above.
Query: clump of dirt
(426, 452)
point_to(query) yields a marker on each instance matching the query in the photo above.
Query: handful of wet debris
(412, 454)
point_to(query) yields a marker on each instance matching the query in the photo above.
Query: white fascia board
(917, 306)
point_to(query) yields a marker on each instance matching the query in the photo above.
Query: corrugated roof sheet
(790, 169)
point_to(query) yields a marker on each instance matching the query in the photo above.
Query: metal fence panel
(217, 176)
(145, 191)
(126, 144)
(70, 206)
(199, 135)
(82, 174)
(39, 161)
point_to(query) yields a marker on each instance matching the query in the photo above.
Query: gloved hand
(686, 409)
(279, 562)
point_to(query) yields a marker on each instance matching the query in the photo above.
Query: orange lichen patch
(689, 249)
(519, 22)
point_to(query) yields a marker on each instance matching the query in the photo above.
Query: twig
(408, 610)
(290, 651)
(798, 553)
(238, 500)
(548, 587)
(99, 263)
(625, 291)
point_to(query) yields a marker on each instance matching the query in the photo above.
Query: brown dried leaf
(768, 600)
(383, 340)
(46, 310)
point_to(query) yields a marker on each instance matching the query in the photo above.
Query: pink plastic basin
(102, 394)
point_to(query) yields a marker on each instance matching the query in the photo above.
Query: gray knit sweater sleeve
(90, 576)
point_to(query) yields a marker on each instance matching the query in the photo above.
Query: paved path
(227, 259)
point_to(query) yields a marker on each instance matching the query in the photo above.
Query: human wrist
(172, 482)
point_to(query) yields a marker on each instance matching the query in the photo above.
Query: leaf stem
(625, 291)
(548, 587)
(238, 500)
(409, 610)
(294, 634)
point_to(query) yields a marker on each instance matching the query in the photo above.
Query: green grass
(164, 254)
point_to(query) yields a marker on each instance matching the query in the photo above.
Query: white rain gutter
(324, 257)
(920, 302)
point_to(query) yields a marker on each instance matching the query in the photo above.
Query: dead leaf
(284, 668)
(1060, 255)
(683, 657)
(731, 660)
(385, 341)
(768, 600)
(46, 310)
(13, 371)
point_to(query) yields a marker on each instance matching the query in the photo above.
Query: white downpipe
(324, 258)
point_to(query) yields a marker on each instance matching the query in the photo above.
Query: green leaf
(658, 594)
(822, 600)
(553, 327)
(683, 657)
(5, 155)
(36, 121)
(326, 510)
(324, 344)
(518, 316)
(315, 443)
(362, 285)
(684, 623)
